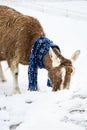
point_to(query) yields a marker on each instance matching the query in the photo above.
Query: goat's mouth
(61, 86)
(61, 78)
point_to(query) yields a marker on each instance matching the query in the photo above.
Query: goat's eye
(69, 70)
(73, 70)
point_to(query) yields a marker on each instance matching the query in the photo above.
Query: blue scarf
(39, 48)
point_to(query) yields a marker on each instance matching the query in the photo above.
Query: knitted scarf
(39, 48)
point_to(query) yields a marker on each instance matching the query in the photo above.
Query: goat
(17, 34)
(60, 69)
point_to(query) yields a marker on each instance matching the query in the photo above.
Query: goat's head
(61, 69)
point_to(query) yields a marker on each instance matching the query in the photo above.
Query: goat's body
(17, 34)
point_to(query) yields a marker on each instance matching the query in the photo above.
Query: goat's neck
(47, 62)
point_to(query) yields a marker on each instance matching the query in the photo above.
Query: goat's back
(17, 33)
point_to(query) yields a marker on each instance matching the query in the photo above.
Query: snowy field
(65, 23)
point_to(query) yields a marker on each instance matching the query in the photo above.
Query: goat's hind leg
(2, 77)
(14, 70)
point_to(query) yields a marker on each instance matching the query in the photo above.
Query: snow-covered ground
(66, 24)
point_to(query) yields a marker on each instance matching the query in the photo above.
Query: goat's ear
(55, 60)
(75, 55)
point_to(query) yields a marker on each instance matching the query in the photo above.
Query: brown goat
(17, 34)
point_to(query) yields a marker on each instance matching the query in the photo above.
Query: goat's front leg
(14, 70)
(2, 78)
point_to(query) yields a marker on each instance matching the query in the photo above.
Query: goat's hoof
(3, 80)
(17, 90)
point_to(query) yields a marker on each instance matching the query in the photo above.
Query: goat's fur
(17, 34)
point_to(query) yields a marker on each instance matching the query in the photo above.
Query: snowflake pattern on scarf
(39, 48)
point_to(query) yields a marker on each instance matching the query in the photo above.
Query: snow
(66, 24)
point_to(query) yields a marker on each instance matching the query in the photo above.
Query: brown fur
(55, 73)
(17, 34)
